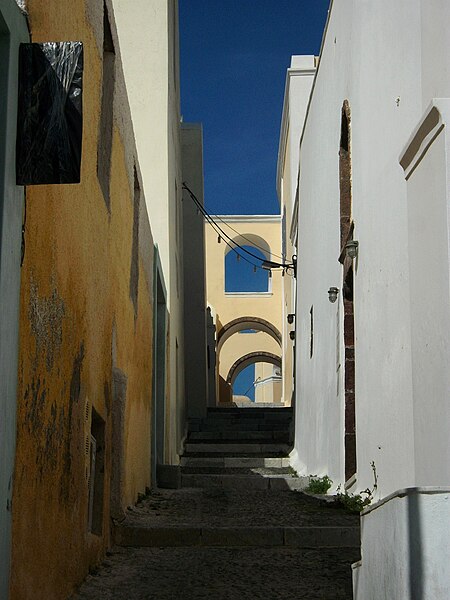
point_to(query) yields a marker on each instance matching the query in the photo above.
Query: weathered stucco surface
(78, 322)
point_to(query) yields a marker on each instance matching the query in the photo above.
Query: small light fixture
(333, 294)
(290, 318)
(351, 249)
(268, 264)
(292, 335)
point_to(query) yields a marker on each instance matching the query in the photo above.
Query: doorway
(159, 371)
(346, 234)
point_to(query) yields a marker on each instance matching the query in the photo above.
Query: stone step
(243, 455)
(243, 482)
(229, 462)
(238, 426)
(235, 436)
(235, 448)
(258, 415)
(222, 470)
(184, 535)
(250, 409)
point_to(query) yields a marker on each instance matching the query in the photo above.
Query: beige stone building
(248, 323)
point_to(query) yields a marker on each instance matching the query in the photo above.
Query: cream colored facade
(268, 383)
(148, 34)
(299, 80)
(237, 311)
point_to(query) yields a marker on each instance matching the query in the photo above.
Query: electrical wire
(254, 383)
(221, 233)
(217, 228)
(246, 238)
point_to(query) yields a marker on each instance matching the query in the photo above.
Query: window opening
(345, 189)
(241, 276)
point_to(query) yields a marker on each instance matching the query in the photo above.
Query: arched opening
(243, 336)
(346, 234)
(244, 273)
(246, 323)
(258, 383)
(243, 268)
(250, 359)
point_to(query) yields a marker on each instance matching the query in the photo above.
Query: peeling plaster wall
(84, 342)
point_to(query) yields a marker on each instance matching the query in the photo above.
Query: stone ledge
(294, 537)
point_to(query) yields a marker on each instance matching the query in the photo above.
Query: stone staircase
(240, 448)
(237, 508)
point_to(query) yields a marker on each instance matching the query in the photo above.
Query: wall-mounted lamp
(351, 249)
(292, 335)
(290, 318)
(333, 294)
(268, 264)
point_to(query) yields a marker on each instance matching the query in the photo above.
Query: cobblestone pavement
(228, 573)
(218, 507)
(221, 574)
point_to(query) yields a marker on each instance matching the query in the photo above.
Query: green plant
(354, 502)
(358, 502)
(319, 485)
(292, 472)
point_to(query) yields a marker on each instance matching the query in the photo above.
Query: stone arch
(242, 323)
(249, 359)
(250, 239)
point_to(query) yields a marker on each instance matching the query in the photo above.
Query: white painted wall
(405, 548)
(427, 170)
(388, 60)
(13, 31)
(299, 79)
(358, 64)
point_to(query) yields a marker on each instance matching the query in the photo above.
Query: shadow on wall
(224, 391)
(415, 548)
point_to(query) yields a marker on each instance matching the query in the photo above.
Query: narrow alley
(239, 526)
(224, 300)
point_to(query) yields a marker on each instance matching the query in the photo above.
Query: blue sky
(234, 56)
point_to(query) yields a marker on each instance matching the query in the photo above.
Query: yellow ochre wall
(77, 323)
